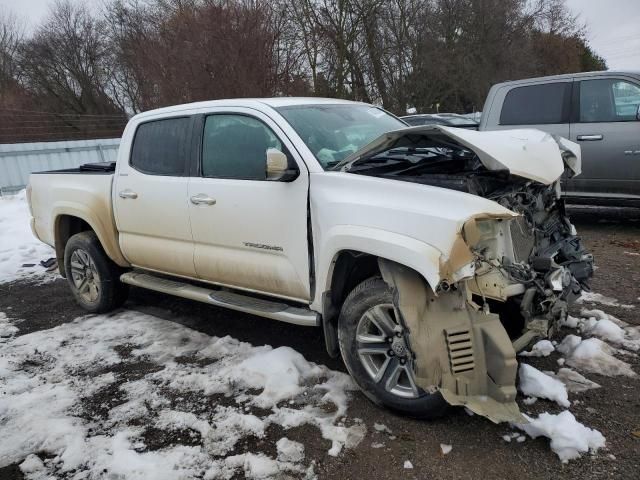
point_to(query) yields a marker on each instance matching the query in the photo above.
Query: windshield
(460, 121)
(333, 132)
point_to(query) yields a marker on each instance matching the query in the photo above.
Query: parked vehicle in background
(598, 110)
(429, 255)
(446, 119)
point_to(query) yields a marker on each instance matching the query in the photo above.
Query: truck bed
(83, 193)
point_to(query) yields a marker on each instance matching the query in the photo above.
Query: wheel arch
(69, 221)
(354, 258)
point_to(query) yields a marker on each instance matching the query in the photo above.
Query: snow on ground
(573, 380)
(569, 438)
(596, 323)
(607, 327)
(18, 246)
(7, 328)
(593, 355)
(535, 383)
(590, 297)
(543, 348)
(89, 399)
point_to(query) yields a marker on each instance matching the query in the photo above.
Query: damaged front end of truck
(507, 279)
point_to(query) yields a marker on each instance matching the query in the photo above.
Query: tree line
(82, 72)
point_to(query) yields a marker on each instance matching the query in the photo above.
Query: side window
(608, 100)
(235, 146)
(160, 147)
(537, 104)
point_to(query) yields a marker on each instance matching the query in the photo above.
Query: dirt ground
(613, 235)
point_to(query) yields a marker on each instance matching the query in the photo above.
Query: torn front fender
(463, 353)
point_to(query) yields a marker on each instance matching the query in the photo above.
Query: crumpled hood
(528, 153)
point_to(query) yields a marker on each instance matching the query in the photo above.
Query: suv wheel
(93, 277)
(375, 349)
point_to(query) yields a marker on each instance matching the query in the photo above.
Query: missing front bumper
(464, 354)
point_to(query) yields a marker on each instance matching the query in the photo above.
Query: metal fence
(18, 160)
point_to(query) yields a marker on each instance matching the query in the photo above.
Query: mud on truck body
(428, 255)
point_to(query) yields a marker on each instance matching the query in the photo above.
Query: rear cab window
(161, 147)
(548, 103)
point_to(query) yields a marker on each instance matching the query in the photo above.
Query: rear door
(249, 232)
(606, 127)
(151, 198)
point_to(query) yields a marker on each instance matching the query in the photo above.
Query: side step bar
(222, 298)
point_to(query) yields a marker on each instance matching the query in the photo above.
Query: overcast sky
(613, 25)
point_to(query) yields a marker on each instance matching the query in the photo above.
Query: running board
(222, 298)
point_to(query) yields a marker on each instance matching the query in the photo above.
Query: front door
(151, 198)
(608, 132)
(249, 232)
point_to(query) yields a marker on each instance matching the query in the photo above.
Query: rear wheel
(375, 349)
(93, 277)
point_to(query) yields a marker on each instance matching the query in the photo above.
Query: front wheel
(93, 277)
(375, 350)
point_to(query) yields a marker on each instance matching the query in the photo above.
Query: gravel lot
(613, 235)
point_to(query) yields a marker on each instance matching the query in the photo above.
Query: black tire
(87, 252)
(374, 292)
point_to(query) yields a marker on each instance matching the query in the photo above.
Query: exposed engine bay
(546, 267)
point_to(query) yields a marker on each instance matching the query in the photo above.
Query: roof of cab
(274, 102)
(631, 73)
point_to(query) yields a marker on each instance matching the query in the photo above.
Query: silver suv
(599, 110)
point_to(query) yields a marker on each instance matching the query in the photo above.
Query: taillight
(29, 199)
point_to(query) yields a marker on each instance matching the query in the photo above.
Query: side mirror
(278, 167)
(638, 113)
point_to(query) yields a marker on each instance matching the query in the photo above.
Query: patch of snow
(408, 464)
(560, 361)
(469, 412)
(507, 438)
(41, 409)
(590, 297)
(18, 246)
(569, 322)
(573, 380)
(377, 445)
(290, 451)
(569, 438)
(32, 465)
(607, 327)
(543, 348)
(593, 355)
(382, 428)
(7, 328)
(535, 383)
(445, 449)
(529, 400)
(521, 438)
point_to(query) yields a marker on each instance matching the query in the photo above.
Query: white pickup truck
(428, 255)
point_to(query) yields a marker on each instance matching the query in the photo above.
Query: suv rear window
(160, 147)
(537, 104)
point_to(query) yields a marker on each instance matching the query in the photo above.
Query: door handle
(589, 138)
(128, 194)
(202, 199)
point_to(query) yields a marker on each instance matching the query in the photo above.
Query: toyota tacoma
(428, 255)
